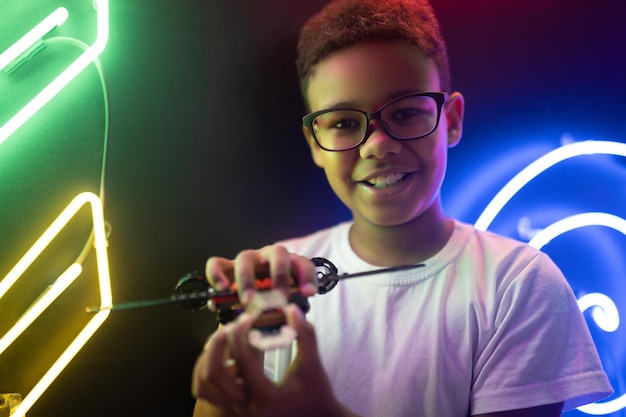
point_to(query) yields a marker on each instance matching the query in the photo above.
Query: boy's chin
(391, 219)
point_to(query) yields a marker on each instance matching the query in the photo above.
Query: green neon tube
(75, 68)
(55, 20)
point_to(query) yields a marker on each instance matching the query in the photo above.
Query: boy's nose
(378, 143)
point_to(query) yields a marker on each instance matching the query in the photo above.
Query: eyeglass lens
(408, 118)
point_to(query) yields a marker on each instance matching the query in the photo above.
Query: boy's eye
(345, 124)
(406, 113)
(339, 120)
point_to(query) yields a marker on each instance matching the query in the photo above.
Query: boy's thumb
(306, 340)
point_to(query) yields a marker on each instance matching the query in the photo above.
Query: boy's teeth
(385, 181)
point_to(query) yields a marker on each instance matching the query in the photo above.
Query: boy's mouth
(386, 181)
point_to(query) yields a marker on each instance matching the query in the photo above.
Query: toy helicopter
(269, 329)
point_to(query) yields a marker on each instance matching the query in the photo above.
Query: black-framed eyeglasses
(412, 116)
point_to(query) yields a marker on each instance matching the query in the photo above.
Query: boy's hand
(238, 384)
(274, 260)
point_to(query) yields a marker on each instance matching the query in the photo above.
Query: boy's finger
(213, 381)
(307, 352)
(306, 273)
(249, 359)
(246, 264)
(280, 266)
(219, 272)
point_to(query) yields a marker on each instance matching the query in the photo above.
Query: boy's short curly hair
(343, 23)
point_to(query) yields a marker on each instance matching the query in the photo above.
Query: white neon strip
(608, 407)
(54, 20)
(61, 363)
(60, 285)
(550, 159)
(604, 311)
(544, 236)
(52, 89)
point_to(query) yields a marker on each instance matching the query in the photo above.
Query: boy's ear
(454, 110)
(316, 151)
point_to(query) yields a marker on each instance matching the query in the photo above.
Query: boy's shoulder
(488, 254)
(488, 236)
(501, 254)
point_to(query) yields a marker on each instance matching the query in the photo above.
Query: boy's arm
(206, 409)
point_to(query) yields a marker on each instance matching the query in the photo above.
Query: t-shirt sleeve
(539, 350)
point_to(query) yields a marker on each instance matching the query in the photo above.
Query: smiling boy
(487, 327)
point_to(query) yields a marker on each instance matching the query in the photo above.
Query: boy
(488, 326)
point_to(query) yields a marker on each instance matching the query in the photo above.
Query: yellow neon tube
(53, 230)
(61, 363)
(41, 305)
(60, 285)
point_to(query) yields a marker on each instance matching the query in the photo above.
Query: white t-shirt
(488, 324)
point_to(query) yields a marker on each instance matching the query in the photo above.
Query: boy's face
(408, 174)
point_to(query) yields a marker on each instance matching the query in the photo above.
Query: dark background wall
(206, 158)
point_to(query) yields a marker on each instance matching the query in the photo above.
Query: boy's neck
(405, 244)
